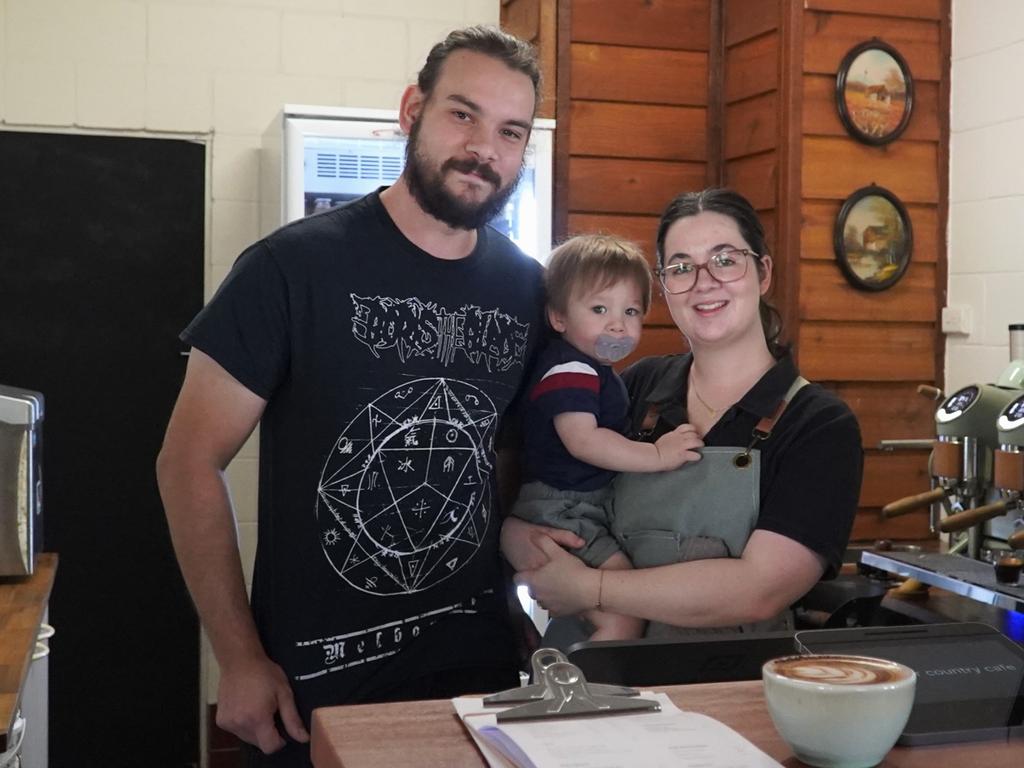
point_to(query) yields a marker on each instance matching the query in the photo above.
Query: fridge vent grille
(332, 165)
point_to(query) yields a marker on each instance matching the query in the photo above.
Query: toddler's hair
(591, 263)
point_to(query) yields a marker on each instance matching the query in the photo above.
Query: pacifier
(611, 349)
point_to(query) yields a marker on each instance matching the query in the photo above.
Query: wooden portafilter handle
(910, 503)
(929, 391)
(970, 517)
(1016, 540)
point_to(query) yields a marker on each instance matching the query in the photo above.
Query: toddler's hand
(678, 447)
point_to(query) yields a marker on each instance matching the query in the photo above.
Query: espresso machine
(977, 476)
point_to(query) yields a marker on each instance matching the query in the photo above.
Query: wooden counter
(427, 733)
(22, 602)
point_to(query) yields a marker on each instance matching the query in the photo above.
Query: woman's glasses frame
(710, 266)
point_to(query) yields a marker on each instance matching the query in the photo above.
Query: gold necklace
(713, 411)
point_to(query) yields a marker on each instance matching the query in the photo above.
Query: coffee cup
(838, 710)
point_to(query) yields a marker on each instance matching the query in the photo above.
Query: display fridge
(334, 154)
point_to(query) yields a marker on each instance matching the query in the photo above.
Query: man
(378, 345)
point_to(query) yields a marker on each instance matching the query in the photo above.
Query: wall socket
(956, 319)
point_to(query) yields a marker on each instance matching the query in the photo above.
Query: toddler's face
(605, 323)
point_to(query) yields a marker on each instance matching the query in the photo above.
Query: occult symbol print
(404, 497)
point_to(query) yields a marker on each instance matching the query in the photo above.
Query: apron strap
(763, 429)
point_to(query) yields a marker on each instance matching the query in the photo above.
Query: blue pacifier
(611, 349)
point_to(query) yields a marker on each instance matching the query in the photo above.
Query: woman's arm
(771, 574)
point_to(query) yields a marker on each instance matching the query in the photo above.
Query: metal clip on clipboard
(539, 689)
(572, 697)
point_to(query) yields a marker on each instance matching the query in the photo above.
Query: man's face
(466, 142)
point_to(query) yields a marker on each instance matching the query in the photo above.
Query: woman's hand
(563, 585)
(520, 542)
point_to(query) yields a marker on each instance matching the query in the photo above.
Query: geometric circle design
(404, 497)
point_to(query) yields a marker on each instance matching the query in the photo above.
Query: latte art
(834, 670)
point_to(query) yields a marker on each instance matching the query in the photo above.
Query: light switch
(956, 319)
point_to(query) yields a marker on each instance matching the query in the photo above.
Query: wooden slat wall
(874, 348)
(638, 123)
(535, 20)
(659, 97)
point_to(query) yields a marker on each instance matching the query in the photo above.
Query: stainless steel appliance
(21, 480)
(976, 468)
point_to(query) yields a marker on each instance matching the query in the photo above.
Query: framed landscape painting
(873, 239)
(874, 92)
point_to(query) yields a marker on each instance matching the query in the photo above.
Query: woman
(738, 537)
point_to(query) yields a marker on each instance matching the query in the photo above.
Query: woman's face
(715, 313)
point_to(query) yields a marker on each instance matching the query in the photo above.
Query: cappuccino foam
(839, 670)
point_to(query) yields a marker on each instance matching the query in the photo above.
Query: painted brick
(985, 26)
(215, 274)
(235, 227)
(972, 364)
(482, 12)
(331, 46)
(3, 63)
(247, 534)
(179, 98)
(423, 35)
(110, 96)
(979, 95)
(409, 9)
(1005, 298)
(981, 239)
(243, 477)
(373, 94)
(39, 91)
(236, 167)
(214, 37)
(326, 6)
(40, 29)
(110, 32)
(248, 104)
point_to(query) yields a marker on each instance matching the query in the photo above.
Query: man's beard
(428, 188)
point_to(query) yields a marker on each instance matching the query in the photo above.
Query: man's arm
(212, 418)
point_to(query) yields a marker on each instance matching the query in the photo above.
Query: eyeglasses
(725, 266)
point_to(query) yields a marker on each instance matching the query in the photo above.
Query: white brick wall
(222, 69)
(986, 251)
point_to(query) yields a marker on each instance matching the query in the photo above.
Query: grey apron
(705, 509)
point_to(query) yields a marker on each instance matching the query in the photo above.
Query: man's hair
(516, 54)
(592, 263)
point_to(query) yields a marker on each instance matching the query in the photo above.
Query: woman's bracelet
(600, 589)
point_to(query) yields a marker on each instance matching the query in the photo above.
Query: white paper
(670, 738)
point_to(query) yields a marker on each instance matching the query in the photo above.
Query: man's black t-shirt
(386, 373)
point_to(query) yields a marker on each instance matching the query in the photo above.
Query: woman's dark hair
(514, 53)
(738, 208)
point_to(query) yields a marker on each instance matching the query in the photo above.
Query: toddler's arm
(608, 449)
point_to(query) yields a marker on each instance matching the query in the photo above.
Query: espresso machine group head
(963, 457)
(1008, 470)
(990, 417)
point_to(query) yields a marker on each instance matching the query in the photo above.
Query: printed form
(670, 738)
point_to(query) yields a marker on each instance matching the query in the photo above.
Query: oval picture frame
(873, 239)
(874, 92)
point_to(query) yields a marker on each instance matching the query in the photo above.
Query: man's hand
(249, 695)
(678, 447)
(520, 542)
(563, 585)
